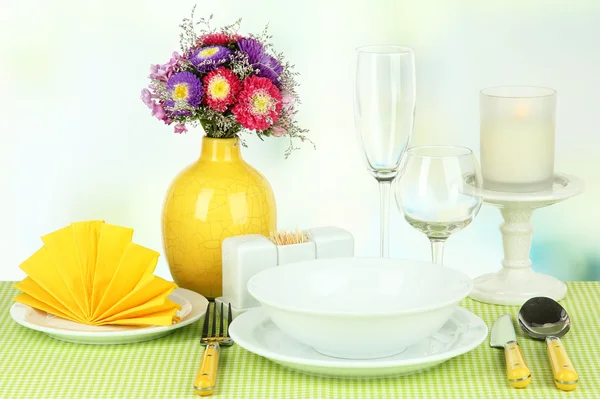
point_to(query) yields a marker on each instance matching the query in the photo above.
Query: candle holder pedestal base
(515, 287)
(516, 282)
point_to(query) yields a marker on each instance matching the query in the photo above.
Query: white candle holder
(516, 282)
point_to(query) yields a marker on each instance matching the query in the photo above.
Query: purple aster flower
(252, 48)
(206, 59)
(267, 65)
(269, 68)
(187, 87)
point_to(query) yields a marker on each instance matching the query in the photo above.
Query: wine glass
(384, 109)
(440, 192)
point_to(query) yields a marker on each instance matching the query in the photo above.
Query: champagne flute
(384, 109)
(440, 192)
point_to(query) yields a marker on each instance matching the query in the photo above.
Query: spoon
(543, 318)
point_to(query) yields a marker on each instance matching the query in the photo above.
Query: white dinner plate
(193, 307)
(255, 332)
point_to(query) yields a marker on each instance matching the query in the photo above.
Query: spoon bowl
(542, 317)
(545, 319)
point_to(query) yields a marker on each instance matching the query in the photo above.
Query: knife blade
(503, 336)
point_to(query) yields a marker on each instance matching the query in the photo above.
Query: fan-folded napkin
(92, 273)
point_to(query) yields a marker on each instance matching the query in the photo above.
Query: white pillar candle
(517, 138)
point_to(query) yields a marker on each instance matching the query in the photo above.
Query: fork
(206, 379)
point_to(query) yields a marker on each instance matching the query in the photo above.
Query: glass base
(531, 187)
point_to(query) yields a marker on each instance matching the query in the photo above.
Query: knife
(503, 336)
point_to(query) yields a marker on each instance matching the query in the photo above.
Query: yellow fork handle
(565, 376)
(206, 379)
(517, 371)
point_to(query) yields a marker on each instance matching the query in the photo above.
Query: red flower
(259, 104)
(216, 39)
(222, 87)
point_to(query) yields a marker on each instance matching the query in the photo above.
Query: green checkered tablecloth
(33, 365)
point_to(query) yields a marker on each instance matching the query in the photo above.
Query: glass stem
(437, 250)
(384, 196)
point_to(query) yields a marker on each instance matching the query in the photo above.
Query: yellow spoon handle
(206, 379)
(517, 371)
(565, 376)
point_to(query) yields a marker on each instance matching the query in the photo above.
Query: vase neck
(220, 150)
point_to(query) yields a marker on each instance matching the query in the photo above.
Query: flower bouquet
(227, 83)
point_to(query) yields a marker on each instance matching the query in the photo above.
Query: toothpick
(285, 237)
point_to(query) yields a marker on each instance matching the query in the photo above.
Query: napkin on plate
(90, 272)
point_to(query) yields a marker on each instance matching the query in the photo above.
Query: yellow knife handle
(206, 379)
(565, 376)
(517, 371)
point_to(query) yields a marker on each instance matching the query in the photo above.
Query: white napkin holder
(245, 256)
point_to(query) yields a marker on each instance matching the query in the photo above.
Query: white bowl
(359, 308)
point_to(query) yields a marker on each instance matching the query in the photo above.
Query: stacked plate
(359, 317)
(90, 283)
(193, 307)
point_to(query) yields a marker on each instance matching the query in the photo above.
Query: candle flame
(523, 110)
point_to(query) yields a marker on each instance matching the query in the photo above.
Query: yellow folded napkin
(90, 272)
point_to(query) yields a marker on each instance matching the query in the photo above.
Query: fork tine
(221, 317)
(214, 323)
(229, 318)
(206, 318)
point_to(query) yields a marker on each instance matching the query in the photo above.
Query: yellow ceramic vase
(217, 197)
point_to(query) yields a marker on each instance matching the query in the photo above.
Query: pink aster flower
(222, 87)
(216, 39)
(180, 128)
(259, 104)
